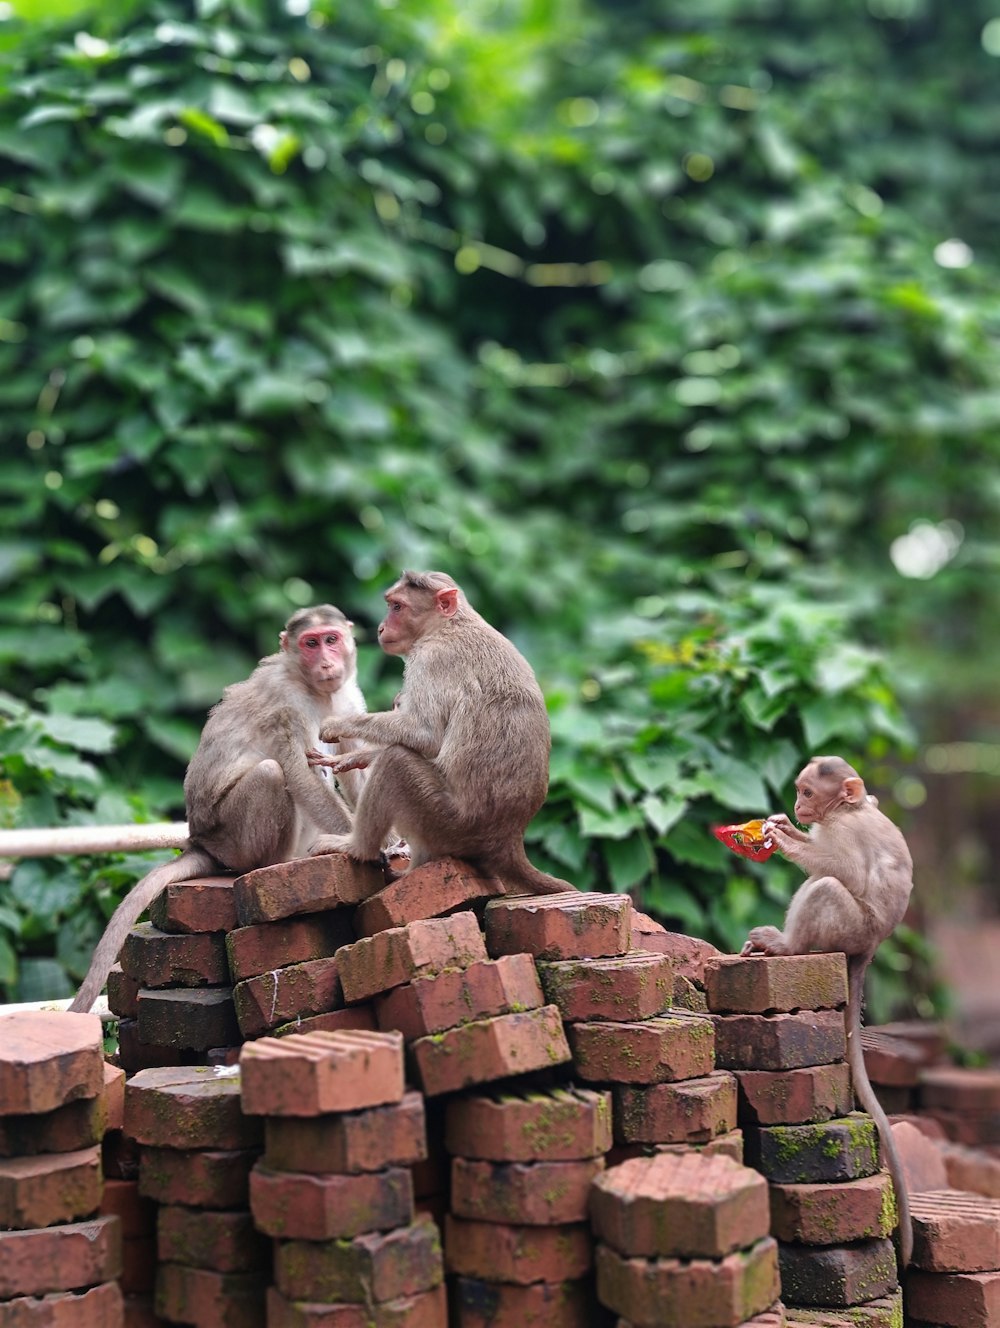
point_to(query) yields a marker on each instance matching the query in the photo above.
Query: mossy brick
(659, 1050)
(133, 1055)
(687, 996)
(842, 1149)
(833, 1213)
(136, 1214)
(96, 1307)
(772, 1318)
(459, 996)
(571, 925)
(779, 1041)
(78, 1124)
(794, 1097)
(837, 1275)
(266, 945)
(48, 1058)
(957, 1089)
(686, 1206)
(955, 1232)
(563, 1124)
(488, 1049)
(304, 885)
(723, 1145)
(882, 1312)
(439, 887)
(158, 959)
(224, 1240)
(394, 1135)
(427, 1309)
(203, 904)
(622, 988)
(201, 1177)
(891, 1062)
(123, 992)
(506, 1252)
(308, 1074)
(205, 1298)
(361, 1018)
(771, 984)
(377, 1266)
(188, 1018)
(688, 1111)
(687, 954)
(522, 1193)
(483, 1304)
(689, 1293)
(185, 1107)
(53, 1187)
(953, 1300)
(268, 1000)
(389, 958)
(113, 1096)
(297, 1205)
(59, 1258)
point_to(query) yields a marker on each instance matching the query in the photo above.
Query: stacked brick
(955, 1278)
(779, 1027)
(965, 1103)
(196, 1149)
(59, 1260)
(334, 1188)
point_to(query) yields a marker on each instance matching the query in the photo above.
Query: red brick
(843, 1149)
(794, 1097)
(682, 1206)
(139, 1312)
(136, 1214)
(522, 1193)
(652, 1051)
(114, 1096)
(388, 959)
(207, 1299)
(572, 925)
(304, 885)
(970, 1169)
(563, 1124)
(203, 1178)
(351, 1141)
(723, 1145)
(133, 1055)
(978, 1129)
(698, 1293)
(205, 1238)
(61, 1258)
(768, 984)
(48, 1058)
(889, 1061)
(895, 1101)
(834, 1213)
(296, 1205)
(427, 1309)
(458, 996)
(499, 1252)
(359, 1017)
(930, 1037)
(53, 1187)
(122, 993)
(194, 1106)
(691, 1111)
(307, 1074)
(621, 988)
(955, 1232)
(922, 1159)
(954, 1300)
(159, 959)
(837, 1275)
(489, 1049)
(688, 954)
(955, 1089)
(376, 1266)
(205, 904)
(430, 891)
(779, 1041)
(479, 1304)
(78, 1124)
(97, 1307)
(266, 945)
(189, 1018)
(883, 1312)
(138, 1275)
(687, 996)
(281, 995)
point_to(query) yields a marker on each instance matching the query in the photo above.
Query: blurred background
(670, 331)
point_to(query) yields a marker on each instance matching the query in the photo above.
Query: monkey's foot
(765, 940)
(331, 844)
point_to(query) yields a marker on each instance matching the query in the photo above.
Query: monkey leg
(254, 822)
(406, 792)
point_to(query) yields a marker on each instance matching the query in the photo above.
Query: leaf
(629, 861)
(595, 784)
(651, 770)
(734, 783)
(663, 813)
(601, 825)
(44, 889)
(85, 734)
(670, 901)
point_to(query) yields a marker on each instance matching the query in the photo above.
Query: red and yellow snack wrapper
(747, 839)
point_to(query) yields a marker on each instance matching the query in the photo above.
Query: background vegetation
(671, 332)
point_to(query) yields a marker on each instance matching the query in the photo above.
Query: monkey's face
(402, 624)
(326, 656)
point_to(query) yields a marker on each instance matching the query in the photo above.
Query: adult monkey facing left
(251, 797)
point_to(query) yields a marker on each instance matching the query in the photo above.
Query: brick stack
(334, 1189)
(955, 1278)
(58, 1262)
(893, 1065)
(196, 1148)
(779, 1026)
(137, 1215)
(965, 1103)
(683, 1243)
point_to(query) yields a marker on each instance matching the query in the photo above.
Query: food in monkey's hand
(748, 839)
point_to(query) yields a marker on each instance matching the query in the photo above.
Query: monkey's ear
(447, 601)
(283, 640)
(853, 789)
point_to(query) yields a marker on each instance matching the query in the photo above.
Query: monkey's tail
(510, 863)
(856, 967)
(192, 863)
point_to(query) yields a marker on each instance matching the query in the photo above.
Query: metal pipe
(44, 843)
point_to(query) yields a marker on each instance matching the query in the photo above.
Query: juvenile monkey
(462, 761)
(251, 797)
(859, 880)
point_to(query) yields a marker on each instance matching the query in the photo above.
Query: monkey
(860, 875)
(461, 764)
(251, 798)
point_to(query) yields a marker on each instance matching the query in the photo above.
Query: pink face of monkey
(325, 653)
(817, 794)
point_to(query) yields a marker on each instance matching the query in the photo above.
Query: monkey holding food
(860, 875)
(251, 797)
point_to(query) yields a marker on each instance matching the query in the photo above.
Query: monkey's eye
(805, 793)
(332, 639)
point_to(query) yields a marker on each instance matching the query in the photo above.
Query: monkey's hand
(765, 940)
(784, 833)
(330, 844)
(321, 758)
(351, 761)
(346, 726)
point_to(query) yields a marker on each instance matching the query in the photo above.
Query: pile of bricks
(955, 1278)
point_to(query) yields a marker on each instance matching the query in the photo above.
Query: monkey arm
(389, 728)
